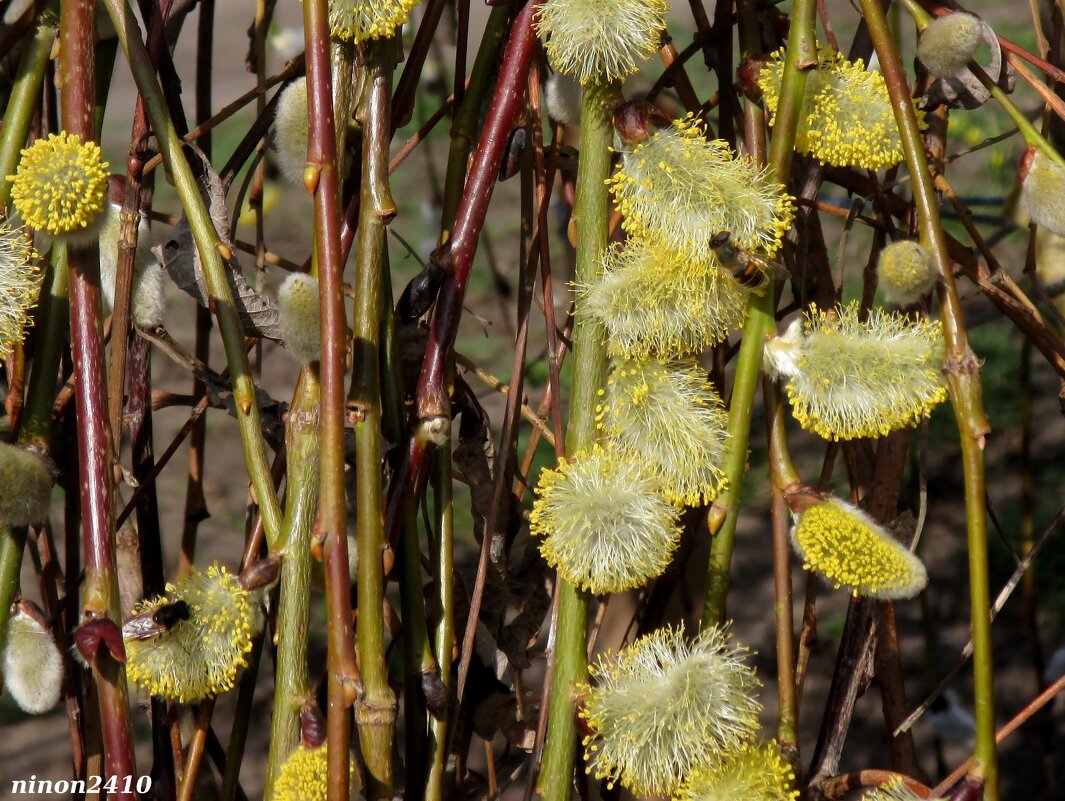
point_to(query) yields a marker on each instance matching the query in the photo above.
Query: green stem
(375, 711)
(25, 93)
(214, 269)
(799, 58)
(444, 629)
(962, 371)
(591, 215)
(292, 685)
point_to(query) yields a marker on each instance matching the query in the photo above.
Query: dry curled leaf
(179, 256)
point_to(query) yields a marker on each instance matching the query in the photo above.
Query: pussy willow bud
(300, 312)
(290, 130)
(1043, 193)
(949, 43)
(905, 272)
(31, 663)
(26, 480)
(563, 99)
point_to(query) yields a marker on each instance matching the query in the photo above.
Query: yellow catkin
(848, 378)
(847, 116)
(60, 186)
(603, 521)
(360, 20)
(303, 776)
(679, 189)
(199, 657)
(652, 301)
(665, 706)
(851, 550)
(600, 40)
(20, 284)
(670, 417)
(756, 771)
(905, 272)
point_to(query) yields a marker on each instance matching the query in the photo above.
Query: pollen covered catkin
(665, 706)
(853, 551)
(756, 771)
(27, 486)
(60, 187)
(603, 521)
(32, 665)
(600, 40)
(20, 284)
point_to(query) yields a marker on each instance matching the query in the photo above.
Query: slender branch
(963, 378)
(592, 216)
(77, 26)
(322, 179)
(375, 710)
(292, 685)
(210, 250)
(799, 58)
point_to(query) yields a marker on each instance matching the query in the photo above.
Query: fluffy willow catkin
(652, 301)
(949, 43)
(600, 40)
(290, 131)
(848, 378)
(905, 272)
(26, 482)
(677, 189)
(603, 521)
(756, 771)
(303, 775)
(853, 551)
(60, 187)
(670, 418)
(1043, 192)
(31, 664)
(847, 117)
(198, 656)
(361, 20)
(147, 302)
(300, 315)
(665, 706)
(20, 284)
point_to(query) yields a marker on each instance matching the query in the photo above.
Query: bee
(750, 270)
(159, 621)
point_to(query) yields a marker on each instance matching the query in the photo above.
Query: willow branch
(962, 371)
(211, 251)
(799, 58)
